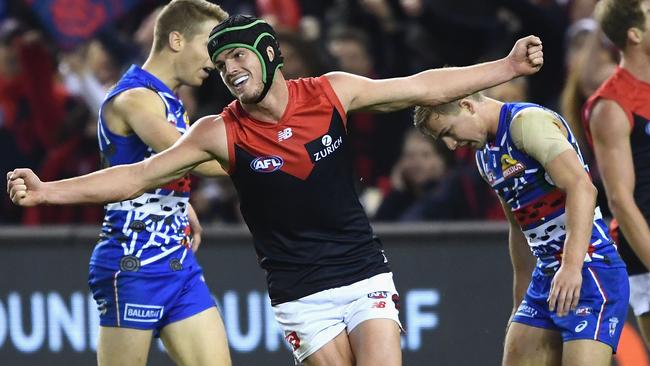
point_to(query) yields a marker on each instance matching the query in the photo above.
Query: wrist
(42, 195)
(572, 264)
(509, 67)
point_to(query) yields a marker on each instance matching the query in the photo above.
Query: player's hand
(24, 188)
(196, 227)
(565, 290)
(526, 57)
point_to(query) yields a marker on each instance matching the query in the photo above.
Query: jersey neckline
(288, 111)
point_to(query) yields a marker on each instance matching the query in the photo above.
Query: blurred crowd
(50, 92)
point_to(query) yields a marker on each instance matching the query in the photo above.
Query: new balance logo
(284, 134)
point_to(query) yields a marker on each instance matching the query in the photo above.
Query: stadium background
(442, 227)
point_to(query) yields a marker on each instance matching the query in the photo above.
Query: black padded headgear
(250, 33)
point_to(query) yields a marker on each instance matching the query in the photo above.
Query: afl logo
(267, 164)
(647, 128)
(326, 140)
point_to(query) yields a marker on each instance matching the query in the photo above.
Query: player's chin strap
(250, 33)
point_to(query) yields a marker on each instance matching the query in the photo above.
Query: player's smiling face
(241, 71)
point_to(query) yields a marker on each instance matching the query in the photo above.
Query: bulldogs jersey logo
(267, 164)
(511, 167)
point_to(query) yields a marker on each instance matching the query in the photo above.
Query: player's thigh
(527, 345)
(377, 342)
(336, 352)
(198, 340)
(643, 321)
(123, 346)
(586, 352)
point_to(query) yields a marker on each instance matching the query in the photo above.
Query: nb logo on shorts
(581, 326)
(143, 313)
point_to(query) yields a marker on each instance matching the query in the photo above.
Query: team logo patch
(583, 310)
(267, 164)
(329, 146)
(612, 326)
(395, 299)
(511, 167)
(378, 295)
(143, 313)
(293, 340)
(102, 307)
(186, 119)
(285, 134)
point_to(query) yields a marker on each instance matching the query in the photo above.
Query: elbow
(592, 191)
(619, 202)
(585, 188)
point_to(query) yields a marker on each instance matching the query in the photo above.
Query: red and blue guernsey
(536, 203)
(143, 274)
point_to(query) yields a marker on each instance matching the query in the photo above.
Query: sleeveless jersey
(633, 96)
(536, 203)
(298, 196)
(151, 229)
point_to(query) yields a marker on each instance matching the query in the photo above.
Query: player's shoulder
(607, 118)
(535, 121)
(209, 123)
(211, 119)
(135, 100)
(534, 113)
(607, 108)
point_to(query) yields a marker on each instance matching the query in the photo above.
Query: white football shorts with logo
(312, 321)
(640, 293)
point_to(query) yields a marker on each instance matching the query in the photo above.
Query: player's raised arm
(204, 141)
(436, 86)
(144, 113)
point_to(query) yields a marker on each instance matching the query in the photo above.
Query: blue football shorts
(601, 311)
(148, 300)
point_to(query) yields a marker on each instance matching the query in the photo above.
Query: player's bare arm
(204, 142)
(522, 259)
(611, 130)
(436, 86)
(545, 141)
(142, 111)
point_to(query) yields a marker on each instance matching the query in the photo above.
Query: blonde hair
(185, 17)
(422, 114)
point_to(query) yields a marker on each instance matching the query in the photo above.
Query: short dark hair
(616, 17)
